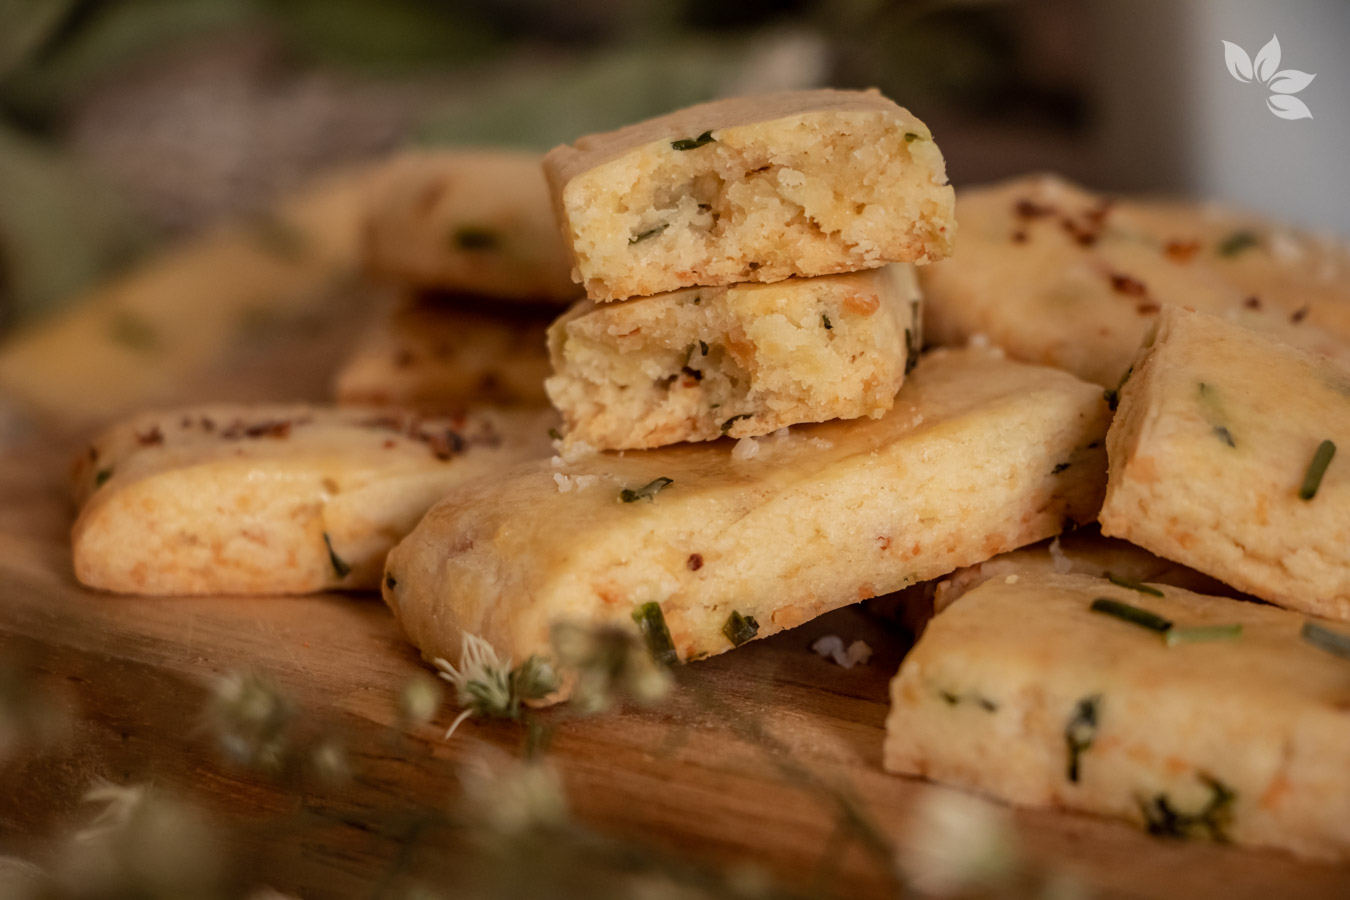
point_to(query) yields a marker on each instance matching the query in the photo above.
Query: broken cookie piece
(744, 360)
(751, 189)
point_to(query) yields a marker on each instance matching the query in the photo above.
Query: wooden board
(680, 777)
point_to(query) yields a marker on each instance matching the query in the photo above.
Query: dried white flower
(486, 685)
(252, 719)
(1063, 565)
(420, 699)
(514, 797)
(958, 844)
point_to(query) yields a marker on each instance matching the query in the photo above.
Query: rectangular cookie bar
(751, 189)
(440, 353)
(1223, 458)
(731, 541)
(470, 221)
(1024, 692)
(742, 360)
(233, 499)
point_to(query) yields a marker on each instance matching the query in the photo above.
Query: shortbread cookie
(1057, 275)
(473, 222)
(743, 360)
(752, 189)
(273, 499)
(199, 309)
(440, 353)
(1192, 716)
(1081, 551)
(724, 542)
(1221, 459)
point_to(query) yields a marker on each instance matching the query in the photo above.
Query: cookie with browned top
(752, 189)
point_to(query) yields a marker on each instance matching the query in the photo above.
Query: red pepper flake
(1181, 251)
(1148, 309)
(1300, 314)
(1097, 215)
(390, 444)
(150, 438)
(1085, 236)
(1252, 302)
(1124, 284)
(1029, 209)
(268, 429)
(695, 562)
(1019, 236)
(884, 542)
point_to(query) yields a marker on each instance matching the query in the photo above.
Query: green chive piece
(647, 492)
(694, 143)
(1334, 642)
(1201, 634)
(1238, 241)
(101, 477)
(739, 628)
(652, 622)
(1133, 585)
(1161, 818)
(1312, 480)
(703, 347)
(1223, 434)
(555, 434)
(1112, 397)
(1059, 467)
(825, 320)
(475, 237)
(1081, 732)
(339, 564)
(911, 352)
(911, 137)
(1132, 614)
(650, 232)
(726, 426)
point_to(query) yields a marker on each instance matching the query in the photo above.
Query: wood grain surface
(681, 777)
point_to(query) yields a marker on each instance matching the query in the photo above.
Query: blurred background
(125, 124)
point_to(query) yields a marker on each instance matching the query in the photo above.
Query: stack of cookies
(471, 270)
(747, 267)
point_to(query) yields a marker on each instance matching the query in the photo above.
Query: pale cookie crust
(1082, 551)
(751, 189)
(1022, 692)
(1216, 431)
(472, 222)
(440, 353)
(777, 530)
(743, 360)
(1058, 275)
(231, 499)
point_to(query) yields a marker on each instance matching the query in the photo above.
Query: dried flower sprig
(609, 662)
(252, 720)
(487, 686)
